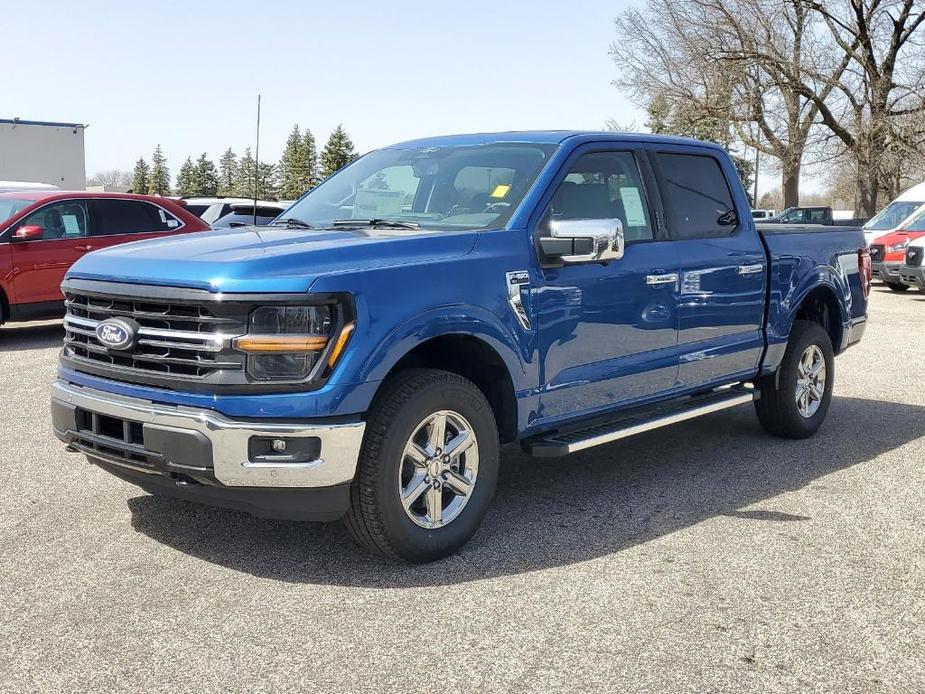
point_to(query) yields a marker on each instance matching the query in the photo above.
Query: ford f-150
(366, 355)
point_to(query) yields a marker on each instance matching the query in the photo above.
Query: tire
(777, 408)
(894, 287)
(404, 415)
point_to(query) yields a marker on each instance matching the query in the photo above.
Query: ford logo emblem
(117, 333)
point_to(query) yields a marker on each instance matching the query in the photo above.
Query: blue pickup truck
(367, 354)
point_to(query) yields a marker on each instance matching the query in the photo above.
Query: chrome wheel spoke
(437, 438)
(459, 444)
(435, 504)
(457, 483)
(417, 486)
(417, 455)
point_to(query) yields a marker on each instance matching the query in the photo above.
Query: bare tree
(116, 178)
(875, 105)
(727, 61)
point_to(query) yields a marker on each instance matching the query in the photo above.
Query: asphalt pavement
(707, 557)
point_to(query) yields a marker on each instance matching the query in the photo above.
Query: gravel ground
(704, 557)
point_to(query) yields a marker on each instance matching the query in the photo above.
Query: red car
(43, 233)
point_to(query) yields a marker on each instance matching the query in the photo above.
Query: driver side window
(60, 220)
(605, 185)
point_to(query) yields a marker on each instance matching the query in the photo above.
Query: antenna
(257, 161)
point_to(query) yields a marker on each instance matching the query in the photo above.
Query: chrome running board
(638, 421)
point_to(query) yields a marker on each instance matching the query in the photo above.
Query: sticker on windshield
(378, 204)
(500, 191)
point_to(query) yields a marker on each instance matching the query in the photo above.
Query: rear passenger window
(698, 201)
(129, 217)
(605, 185)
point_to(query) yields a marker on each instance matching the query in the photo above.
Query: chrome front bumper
(182, 431)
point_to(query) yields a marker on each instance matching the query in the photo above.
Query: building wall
(43, 154)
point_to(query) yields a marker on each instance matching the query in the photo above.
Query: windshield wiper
(375, 223)
(291, 222)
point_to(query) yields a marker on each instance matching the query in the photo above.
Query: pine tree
(292, 167)
(140, 176)
(186, 179)
(244, 178)
(227, 173)
(337, 153)
(268, 188)
(310, 158)
(159, 182)
(206, 177)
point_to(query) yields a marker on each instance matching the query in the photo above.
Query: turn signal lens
(342, 340)
(280, 343)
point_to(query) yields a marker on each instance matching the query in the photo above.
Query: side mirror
(28, 232)
(583, 241)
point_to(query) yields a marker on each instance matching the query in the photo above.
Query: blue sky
(186, 74)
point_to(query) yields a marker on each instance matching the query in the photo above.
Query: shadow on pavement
(17, 337)
(550, 513)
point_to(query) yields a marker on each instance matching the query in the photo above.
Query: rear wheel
(896, 287)
(428, 467)
(794, 400)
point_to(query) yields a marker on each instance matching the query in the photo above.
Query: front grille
(877, 252)
(914, 256)
(176, 340)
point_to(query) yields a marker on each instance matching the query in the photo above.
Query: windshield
(917, 223)
(10, 206)
(442, 188)
(892, 215)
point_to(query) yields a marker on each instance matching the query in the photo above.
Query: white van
(891, 217)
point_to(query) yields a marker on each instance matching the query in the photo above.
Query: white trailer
(43, 152)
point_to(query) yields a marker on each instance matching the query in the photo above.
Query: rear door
(115, 221)
(39, 266)
(723, 263)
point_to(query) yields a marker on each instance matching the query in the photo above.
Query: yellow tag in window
(500, 191)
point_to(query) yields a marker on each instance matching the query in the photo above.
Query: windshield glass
(917, 223)
(442, 188)
(10, 206)
(892, 215)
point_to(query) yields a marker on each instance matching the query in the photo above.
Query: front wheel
(896, 287)
(428, 467)
(795, 399)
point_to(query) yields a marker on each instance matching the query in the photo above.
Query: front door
(38, 266)
(607, 332)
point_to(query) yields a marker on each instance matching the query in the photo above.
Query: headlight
(289, 343)
(899, 246)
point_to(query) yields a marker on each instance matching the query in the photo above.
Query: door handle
(750, 269)
(654, 280)
(83, 249)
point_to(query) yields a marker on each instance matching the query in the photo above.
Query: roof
(543, 137)
(71, 194)
(50, 124)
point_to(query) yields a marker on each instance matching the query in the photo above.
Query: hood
(895, 237)
(266, 259)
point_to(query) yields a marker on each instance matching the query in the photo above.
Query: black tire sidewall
(410, 540)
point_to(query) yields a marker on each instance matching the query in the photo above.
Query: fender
(458, 319)
(783, 306)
